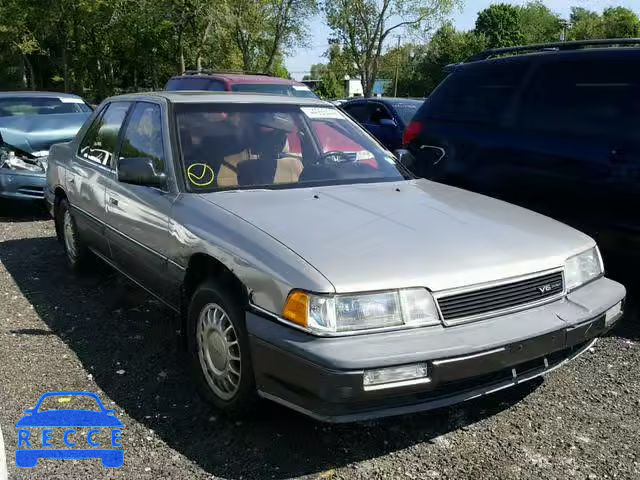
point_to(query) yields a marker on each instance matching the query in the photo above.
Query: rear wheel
(76, 251)
(219, 349)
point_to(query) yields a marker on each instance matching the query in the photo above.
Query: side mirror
(387, 122)
(140, 171)
(29, 410)
(405, 157)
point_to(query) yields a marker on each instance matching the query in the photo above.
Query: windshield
(274, 88)
(277, 146)
(406, 111)
(14, 106)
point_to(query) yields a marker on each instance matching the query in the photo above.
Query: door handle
(113, 201)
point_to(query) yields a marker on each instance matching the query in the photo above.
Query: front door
(137, 215)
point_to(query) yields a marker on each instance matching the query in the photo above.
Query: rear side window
(195, 83)
(99, 143)
(600, 96)
(477, 94)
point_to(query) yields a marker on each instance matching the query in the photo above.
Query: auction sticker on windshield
(319, 113)
(69, 425)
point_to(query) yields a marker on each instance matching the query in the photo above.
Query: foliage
(100, 47)
(615, 22)
(500, 25)
(363, 26)
(539, 24)
(332, 74)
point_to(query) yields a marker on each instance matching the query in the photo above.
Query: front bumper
(323, 377)
(22, 185)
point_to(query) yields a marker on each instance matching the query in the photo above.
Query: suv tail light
(411, 132)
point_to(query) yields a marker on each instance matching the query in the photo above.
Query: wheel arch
(202, 266)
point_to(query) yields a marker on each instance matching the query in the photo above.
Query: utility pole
(395, 81)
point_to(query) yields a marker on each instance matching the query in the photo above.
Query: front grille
(509, 295)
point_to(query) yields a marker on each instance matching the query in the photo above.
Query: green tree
(500, 25)
(447, 46)
(262, 29)
(539, 24)
(585, 24)
(620, 22)
(363, 26)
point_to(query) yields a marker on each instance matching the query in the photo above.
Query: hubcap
(219, 351)
(69, 239)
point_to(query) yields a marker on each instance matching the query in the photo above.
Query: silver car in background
(30, 122)
(331, 282)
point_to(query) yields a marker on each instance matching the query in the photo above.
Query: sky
(299, 62)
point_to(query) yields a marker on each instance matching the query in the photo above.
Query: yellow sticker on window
(200, 174)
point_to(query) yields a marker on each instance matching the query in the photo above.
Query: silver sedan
(311, 268)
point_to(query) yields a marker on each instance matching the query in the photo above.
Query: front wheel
(219, 349)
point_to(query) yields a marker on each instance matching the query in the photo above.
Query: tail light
(411, 132)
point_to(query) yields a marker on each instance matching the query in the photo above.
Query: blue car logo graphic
(28, 457)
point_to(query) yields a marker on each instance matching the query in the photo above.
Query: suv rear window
(195, 83)
(477, 94)
(583, 97)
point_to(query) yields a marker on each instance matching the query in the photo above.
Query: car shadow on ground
(12, 211)
(113, 326)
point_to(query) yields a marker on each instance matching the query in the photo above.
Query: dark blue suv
(554, 128)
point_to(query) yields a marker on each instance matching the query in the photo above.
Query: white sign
(321, 113)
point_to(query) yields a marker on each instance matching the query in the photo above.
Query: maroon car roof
(244, 78)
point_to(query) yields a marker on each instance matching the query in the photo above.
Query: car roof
(30, 94)
(561, 55)
(385, 100)
(198, 96)
(241, 78)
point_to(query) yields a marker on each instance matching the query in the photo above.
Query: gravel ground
(99, 333)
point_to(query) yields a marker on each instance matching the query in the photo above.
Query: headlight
(327, 314)
(582, 268)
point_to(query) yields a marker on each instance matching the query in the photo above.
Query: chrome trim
(177, 265)
(127, 237)
(84, 212)
(468, 357)
(402, 383)
(504, 311)
(132, 240)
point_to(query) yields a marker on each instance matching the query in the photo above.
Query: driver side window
(378, 113)
(143, 135)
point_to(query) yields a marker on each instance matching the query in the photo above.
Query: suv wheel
(75, 250)
(219, 349)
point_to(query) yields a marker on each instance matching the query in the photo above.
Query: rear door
(137, 215)
(90, 169)
(461, 133)
(576, 152)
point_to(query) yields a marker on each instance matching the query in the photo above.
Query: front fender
(268, 269)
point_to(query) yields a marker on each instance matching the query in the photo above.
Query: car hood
(36, 133)
(403, 234)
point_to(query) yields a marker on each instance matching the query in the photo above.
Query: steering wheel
(336, 157)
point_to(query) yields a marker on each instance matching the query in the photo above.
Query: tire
(218, 348)
(76, 252)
